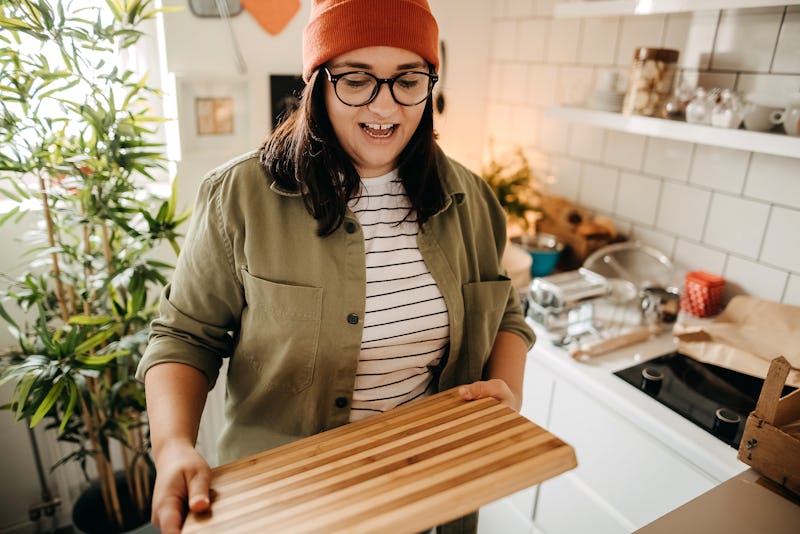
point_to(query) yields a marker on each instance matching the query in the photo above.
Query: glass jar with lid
(650, 82)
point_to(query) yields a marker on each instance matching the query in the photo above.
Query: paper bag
(746, 336)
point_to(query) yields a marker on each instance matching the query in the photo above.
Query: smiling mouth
(378, 130)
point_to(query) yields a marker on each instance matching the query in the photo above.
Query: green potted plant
(77, 162)
(518, 189)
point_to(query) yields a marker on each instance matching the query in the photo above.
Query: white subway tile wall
(787, 55)
(736, 224)
(668, 158)
(682, 210)
(781, 243)
(732, 213)
(722, 169)
(752, 278)
(637, 198)
(598, 187)
(532, 39)
(624, 150)
(693, 35)
(774, 179)
(746, 39)
(792, 295)
(587, 143)
(596, 47)
(636, 32)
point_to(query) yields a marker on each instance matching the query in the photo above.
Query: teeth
(378, 131)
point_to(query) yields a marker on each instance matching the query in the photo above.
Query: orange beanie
(338, 26)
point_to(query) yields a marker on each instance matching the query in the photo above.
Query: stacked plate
(605, 100)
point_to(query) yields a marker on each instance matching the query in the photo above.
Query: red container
(703, 294)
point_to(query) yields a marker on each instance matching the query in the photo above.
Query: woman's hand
(490, 388)
(182, 479)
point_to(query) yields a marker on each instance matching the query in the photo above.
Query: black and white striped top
(406, 329)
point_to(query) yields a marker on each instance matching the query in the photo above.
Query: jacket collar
(453, 188)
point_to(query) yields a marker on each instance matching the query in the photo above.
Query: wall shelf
(608, 8)
(768, 143)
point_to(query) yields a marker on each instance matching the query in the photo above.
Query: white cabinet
(637, 460)
(566, 504)
(625, 478)
(514, 514)
(505, 517)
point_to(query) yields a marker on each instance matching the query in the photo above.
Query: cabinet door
(506, 516)
(537, 391)
(639, 478)
(566, 505)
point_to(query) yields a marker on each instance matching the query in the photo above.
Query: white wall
(730, 212)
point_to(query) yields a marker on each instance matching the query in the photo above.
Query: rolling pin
(603, 345)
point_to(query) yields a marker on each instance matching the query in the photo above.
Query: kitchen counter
(745, 504)
(637, 459)
(595, 376)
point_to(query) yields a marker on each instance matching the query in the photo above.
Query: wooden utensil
(603, 345)
(406, 470)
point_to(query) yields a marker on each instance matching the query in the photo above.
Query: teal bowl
(545, 249)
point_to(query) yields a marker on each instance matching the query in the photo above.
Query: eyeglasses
(360, 88)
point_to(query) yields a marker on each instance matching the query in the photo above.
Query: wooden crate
(403, 471)
(767, 446)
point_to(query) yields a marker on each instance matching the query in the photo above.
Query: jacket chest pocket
(484, 306)
(279, 334)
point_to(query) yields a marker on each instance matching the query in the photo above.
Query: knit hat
(338, 26)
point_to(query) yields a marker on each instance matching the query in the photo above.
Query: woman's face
(374, 135)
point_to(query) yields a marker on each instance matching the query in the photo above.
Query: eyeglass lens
(360, 88)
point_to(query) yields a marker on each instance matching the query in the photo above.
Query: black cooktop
(716, 399)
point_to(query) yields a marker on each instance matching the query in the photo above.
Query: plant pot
(89, 515)
(545, 249)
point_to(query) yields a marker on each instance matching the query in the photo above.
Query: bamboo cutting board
(406, 470)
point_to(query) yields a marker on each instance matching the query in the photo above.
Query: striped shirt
(406, 328)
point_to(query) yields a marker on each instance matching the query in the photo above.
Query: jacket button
(350, 227)
(340, 402)
(352, 318)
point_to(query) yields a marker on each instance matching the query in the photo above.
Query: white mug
(760, 117)
(790, 117)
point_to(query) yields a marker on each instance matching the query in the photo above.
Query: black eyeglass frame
(334, 79)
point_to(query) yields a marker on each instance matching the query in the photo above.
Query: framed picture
(213, 114)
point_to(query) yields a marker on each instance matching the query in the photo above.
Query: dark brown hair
(303, 154)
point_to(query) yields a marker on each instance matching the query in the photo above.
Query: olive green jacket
(255, 283)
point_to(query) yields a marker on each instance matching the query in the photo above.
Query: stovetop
(716, 399)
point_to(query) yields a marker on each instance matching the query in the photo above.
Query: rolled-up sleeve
(201, 307)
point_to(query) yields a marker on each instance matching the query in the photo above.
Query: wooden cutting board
(406, 470)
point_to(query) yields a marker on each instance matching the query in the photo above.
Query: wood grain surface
(406, 470)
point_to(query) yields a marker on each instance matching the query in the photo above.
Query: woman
(346, 268)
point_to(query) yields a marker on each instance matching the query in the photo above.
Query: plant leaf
(49, 400)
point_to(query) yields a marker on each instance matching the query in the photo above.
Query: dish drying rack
(580, 303)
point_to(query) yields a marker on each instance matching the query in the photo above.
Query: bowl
(545, 249)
